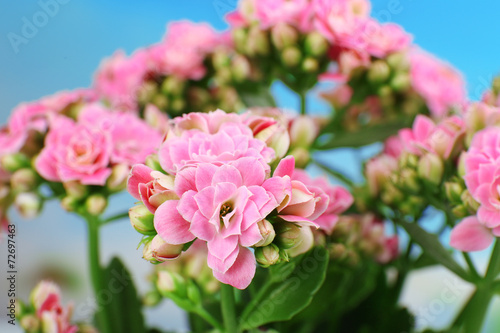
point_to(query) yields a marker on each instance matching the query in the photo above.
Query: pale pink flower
(298, 13)
(338, 199)
(444, 139)
(380, 40)
(482, 175)
(394, 146)
(378, 170)
(442, 86)
(64, 99)
(46, 300)
(472, 235)
(132, 139)
(75, 152)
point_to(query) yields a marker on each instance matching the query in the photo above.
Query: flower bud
(409, 180)
(159, 251)
(240, 39)
(220, 59)
(305, 243)
(153, 162)
(257, 42)
(30, 324)
(240, 68)
(160, 101)
(453, 191)
(338, 251)
(378, 72)
(315, 44)
(117, 181)
(302, 157)
(461, 164)
(267, 255)
(28, 204)
(460, 211)
(400, 82)
(75, 189)
(310, 65)
(169, 282)
(193, 292)
(87, 328)
(469, 202)
(152, 298)
(303, 131)
(198, 97)
(96, 204)
(287, 234)
(70, 204)
(147, 92)
(173, 85)
(14, 162)
(142, 220)
(291, 56)
(24, 180)
(431, 168)
(267, 231)
(398, 61)
(178, 104)
(495, 85)
(408, 161)
(283, 35)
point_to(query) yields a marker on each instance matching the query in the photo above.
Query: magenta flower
(75, 152)
(442, 86)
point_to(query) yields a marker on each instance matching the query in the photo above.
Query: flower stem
(228, 308)
(302, 103)
(96, 272)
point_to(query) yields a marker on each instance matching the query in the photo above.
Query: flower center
(225, 209)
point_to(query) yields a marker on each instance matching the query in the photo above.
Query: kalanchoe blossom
(441, 86)
(338, 198)
(380, 40)
(482, 175)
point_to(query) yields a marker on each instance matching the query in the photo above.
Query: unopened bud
(469, 202)
(159, 251)
(117, 181)
(76, 189)
(178, 104)
(142, 220)
(240, 39)
(378, 72)
(398, 61)
(193, 293)
(198, 97)
(24, 180)
(453, 191)
(87, 328)
(301, 156)
(409, 180)
(267, 232)
(310, 65)
(30, 324)
(169, 282)
(400, 82)
(461, 164)
(173, 85)
(283, 35)
(160, 101)
(431, 168)
(303, 132)
(28, 204)
(70, 204)
(287, 234)
(220, 59)
(153, 162)
(291, 56)
(240, 68)
(152, 298)
(96, 204)
(495, 85)
(267, 255)
(460, 211)
(408, 161)
(315, 44)
(257, 42)
(146, 92)
(14, 162)
(304, 244)
(338, 251)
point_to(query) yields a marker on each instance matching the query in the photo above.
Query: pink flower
(438, 83)
(472, 235)
(340, 21)
(378, 170)
(151, 187)
(119, 79)
(298, 13)
(132, 139)
(393, 146)
(482, 175)
(338, 199)
(46, 299)
(222, 205)
(64, 99)
(380, 40)
(75, 152)
(444, 139)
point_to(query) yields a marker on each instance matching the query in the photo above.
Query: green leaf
(364, 136)
(121, 300)
(431, 245)
(281, 298)
(259, 96)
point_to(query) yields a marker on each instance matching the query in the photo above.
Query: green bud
(310, 65)
(147, 92)
(157, 250)
(469, 202)
(153, 162)
(161, 101)
(76, 189)
(338, 251)
(240, 39)
(117, 181)
(431, 168)
(398, 61)
(142, 220)
(240, 68)
(302, 157)
(193, 292)
(283, 35)
(291, 56)
(24, 180)
(28, 204)
(14, 162)
(315, 44)
(495, 85)
(220, 59)
(268, 255)
(408, 179)
(178, 104)
(152, 298)
(460, 211)
(267, 232)
(30, 324)
(378, 72)
(257, 42)
(69, 203)
(198, 97)
(453, 191)
(461, 164)
(173, 85)
(287, 234)
(96, 204)
(407, 160)
(401, 82)
(171, 282)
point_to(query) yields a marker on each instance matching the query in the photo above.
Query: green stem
(209, 318)
(228, 308)
(494, 265)
(302, 103)
(96, 272)
(472, 268)
(472, 316)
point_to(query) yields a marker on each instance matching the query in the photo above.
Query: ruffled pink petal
(241, 273)
(187, 206)
(46, 166)
(201, 227)
(170, 225)
(227, 174)
(252, 171)
(185, 181)
(139, 174)
(470, 235)
(221, 247)
(490, 217)
(279, 187)
(285, 167)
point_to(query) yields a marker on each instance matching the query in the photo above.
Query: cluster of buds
(362, 236)
(45, 312)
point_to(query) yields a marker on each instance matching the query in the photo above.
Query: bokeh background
(66, 50)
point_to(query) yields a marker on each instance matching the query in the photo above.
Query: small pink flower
(380, 40)
(378, 170)
(338, 199)
(75, 152)
(472, 235)
(438, 83)
(298, 13)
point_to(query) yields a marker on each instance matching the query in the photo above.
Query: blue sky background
(65, 52)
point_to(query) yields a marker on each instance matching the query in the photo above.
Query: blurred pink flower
(380, 40)
(297, 13)
(438, 83)
(472, 235)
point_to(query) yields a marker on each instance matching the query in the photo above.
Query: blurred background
(64, 52)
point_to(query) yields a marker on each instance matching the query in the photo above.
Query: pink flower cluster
(46, 300)
(84, 150)
(482, 177)
(181, 53)
(220, 185)
(442, 87)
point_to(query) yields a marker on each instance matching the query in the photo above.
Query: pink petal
(221, 247)
(490, 217)
(227, 174)
(139, 174)
(279, 187)
(204, 175)
(170, 225)
(187, 206)
(252, 171)
(302, 221)
(185, 181)
(46, 166)
(285, 167)
(241, 273)
(470, 235)
(201, 227)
